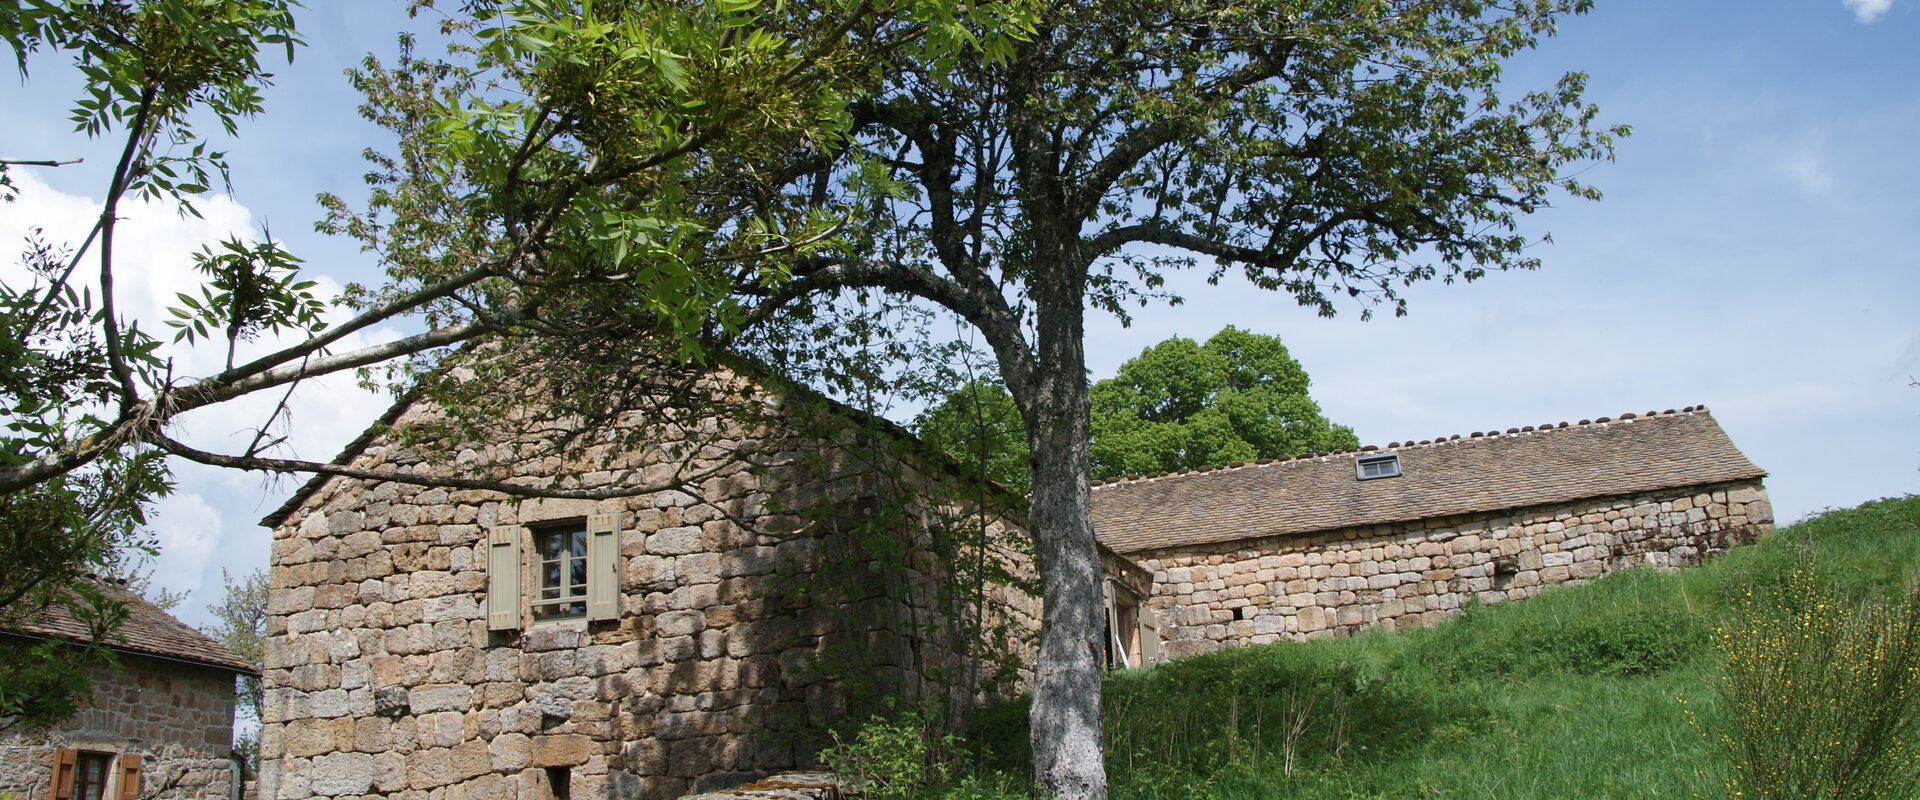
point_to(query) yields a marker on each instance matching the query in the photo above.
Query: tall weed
(1821, 692)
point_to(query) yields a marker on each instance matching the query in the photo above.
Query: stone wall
(756, 607)
(177, 717)
(1260, 591)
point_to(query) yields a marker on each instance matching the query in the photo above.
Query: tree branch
(364, 319)
(9, 162)
(1155, 232)
(213, 391)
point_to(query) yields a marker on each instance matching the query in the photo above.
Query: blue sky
(1758, 251)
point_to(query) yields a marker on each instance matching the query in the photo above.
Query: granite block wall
(1260, 591)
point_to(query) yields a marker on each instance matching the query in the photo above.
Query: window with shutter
(574, 570)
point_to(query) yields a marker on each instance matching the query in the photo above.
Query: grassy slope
(1580, 692)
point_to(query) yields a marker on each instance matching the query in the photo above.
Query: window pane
(90, 776)
(561, 573)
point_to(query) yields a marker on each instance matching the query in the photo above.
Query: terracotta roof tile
(1480, 473)
(147, 631)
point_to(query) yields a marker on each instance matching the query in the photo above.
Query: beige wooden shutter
(1149, 637)
(503, 578)
(130, 777)
(63, 765)
(603, 578)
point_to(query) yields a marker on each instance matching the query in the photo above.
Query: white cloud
(1868, 10)
(189, 531)
(1808, 167)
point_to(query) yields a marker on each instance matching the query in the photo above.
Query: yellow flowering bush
(1820, 692)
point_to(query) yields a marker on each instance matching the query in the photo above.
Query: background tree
(240, 623)
(1181, 405)
(979, 426)
(1178, 405)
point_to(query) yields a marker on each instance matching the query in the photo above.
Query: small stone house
(158, 728)
(434, 643)
(1330, 544)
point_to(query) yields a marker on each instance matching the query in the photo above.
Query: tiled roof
(1455, 475)
(147, 631)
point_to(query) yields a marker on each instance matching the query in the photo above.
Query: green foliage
(42, 683)
(980, 427)
(81, 384)
(1820, 693)
(46, 682)
(1181, 405)
(893, 756)
(250, 289)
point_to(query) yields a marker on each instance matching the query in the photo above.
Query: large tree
(1324, 149)
(1180, 405)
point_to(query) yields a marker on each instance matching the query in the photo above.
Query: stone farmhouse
(1325, 545)
(158, 728)
(808, 563)
(459, 645)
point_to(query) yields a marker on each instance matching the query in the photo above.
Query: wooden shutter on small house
(64, 760)
(129, 769)
(503, 578)
(603, 578)
(1149, 636)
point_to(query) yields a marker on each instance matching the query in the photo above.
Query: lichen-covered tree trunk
(1065, 719)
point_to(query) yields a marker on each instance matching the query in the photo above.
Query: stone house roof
(147, 631)
(1483, 472)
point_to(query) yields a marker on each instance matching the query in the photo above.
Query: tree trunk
(1066, 691)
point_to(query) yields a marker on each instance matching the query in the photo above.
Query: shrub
(1821, 693)
(889, 758)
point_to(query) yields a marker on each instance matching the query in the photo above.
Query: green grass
(1579, 692)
